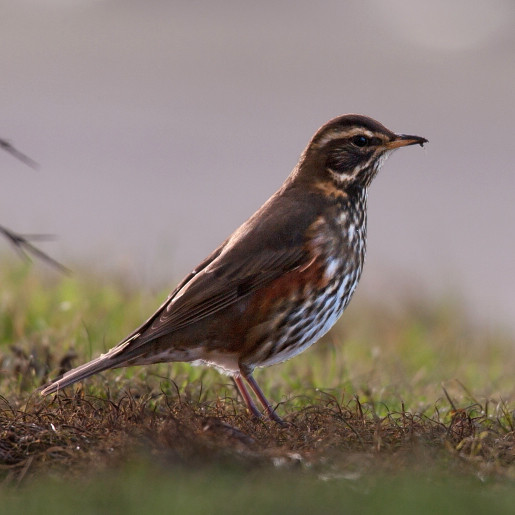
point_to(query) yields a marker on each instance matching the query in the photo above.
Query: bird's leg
(262, 399)
(246, 396)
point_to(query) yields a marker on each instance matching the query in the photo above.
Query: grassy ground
(398, 409)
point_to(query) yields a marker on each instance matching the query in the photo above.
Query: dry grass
(73, 434)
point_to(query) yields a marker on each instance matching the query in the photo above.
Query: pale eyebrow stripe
(347, 133)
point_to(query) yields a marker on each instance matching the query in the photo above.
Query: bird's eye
(360, 141)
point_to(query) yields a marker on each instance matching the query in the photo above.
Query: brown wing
(262, 249)
(218, 288)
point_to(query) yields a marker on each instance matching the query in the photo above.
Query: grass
(412, 405)
(227, 490)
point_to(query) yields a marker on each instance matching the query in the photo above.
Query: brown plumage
(281, 280)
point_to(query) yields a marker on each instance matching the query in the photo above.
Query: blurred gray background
(160, 126)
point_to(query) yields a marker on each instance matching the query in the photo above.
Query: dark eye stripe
(363, 141)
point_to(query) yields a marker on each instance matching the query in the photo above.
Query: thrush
(279, 282)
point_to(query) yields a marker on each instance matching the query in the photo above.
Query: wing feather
(213, 292)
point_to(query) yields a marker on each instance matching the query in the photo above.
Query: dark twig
(21, 243)
(5, 145)
(25, 248)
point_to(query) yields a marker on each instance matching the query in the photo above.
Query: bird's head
(348, 151)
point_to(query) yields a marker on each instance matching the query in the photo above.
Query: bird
(279, 282)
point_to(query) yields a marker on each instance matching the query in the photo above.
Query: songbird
(280, 281)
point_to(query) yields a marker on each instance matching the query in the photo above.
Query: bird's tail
(95, 366)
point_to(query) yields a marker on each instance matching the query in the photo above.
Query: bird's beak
(403, 140)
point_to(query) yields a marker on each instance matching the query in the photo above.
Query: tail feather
(82, 372)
